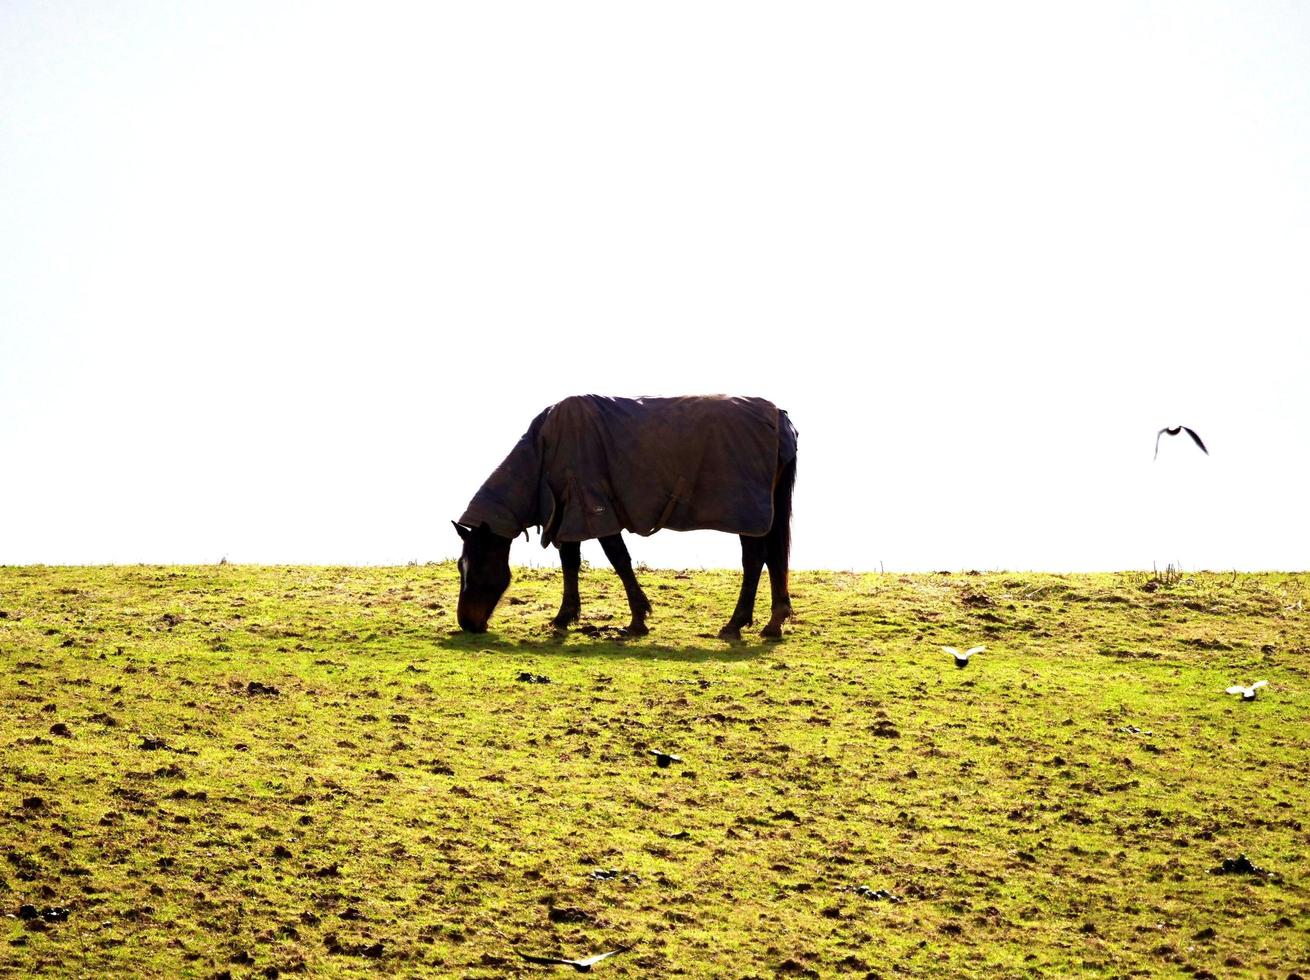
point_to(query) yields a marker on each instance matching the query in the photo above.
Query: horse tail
(783, 485)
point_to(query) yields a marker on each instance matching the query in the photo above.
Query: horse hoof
(636, 629)
(730, 633)
(771, 632)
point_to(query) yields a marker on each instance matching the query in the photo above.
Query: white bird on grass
(582, 966)
(962, 659)
(1247, 693)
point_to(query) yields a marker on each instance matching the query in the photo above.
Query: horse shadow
(604, 646)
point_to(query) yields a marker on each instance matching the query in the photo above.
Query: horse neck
(512, 488)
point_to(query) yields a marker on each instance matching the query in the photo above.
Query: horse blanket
(591, 466)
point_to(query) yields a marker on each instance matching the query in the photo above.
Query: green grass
(402, 788)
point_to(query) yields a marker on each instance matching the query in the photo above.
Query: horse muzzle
(471, 623)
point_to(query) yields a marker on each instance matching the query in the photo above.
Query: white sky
(283, 282)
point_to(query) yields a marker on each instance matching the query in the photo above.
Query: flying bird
(582, 966)
(1173, 432)
(962, 659)
(662, 759)
(1247, 693)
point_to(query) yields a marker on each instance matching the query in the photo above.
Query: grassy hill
(264, 771)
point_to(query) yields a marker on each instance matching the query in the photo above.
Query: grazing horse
(592, 467)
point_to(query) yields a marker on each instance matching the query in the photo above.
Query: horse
(592, 467)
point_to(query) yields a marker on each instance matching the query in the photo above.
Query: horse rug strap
(591, 466)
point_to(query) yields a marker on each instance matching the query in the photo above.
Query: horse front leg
(617, 553)
(752, 562)
(570, 560)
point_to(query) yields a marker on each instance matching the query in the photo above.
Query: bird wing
(952, 651)
(593, 960)
(549, 960)
(972, 650)
(1236, 689)
(1196, 439)
(1157, 443)
(1259, 684)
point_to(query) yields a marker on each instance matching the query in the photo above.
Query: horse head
(483, 575)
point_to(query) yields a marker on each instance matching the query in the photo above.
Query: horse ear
(461, 530)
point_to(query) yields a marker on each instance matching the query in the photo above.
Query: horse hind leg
(570, 559)
(778, 552)
(617, 553)
(780, 611)
(752, 563)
